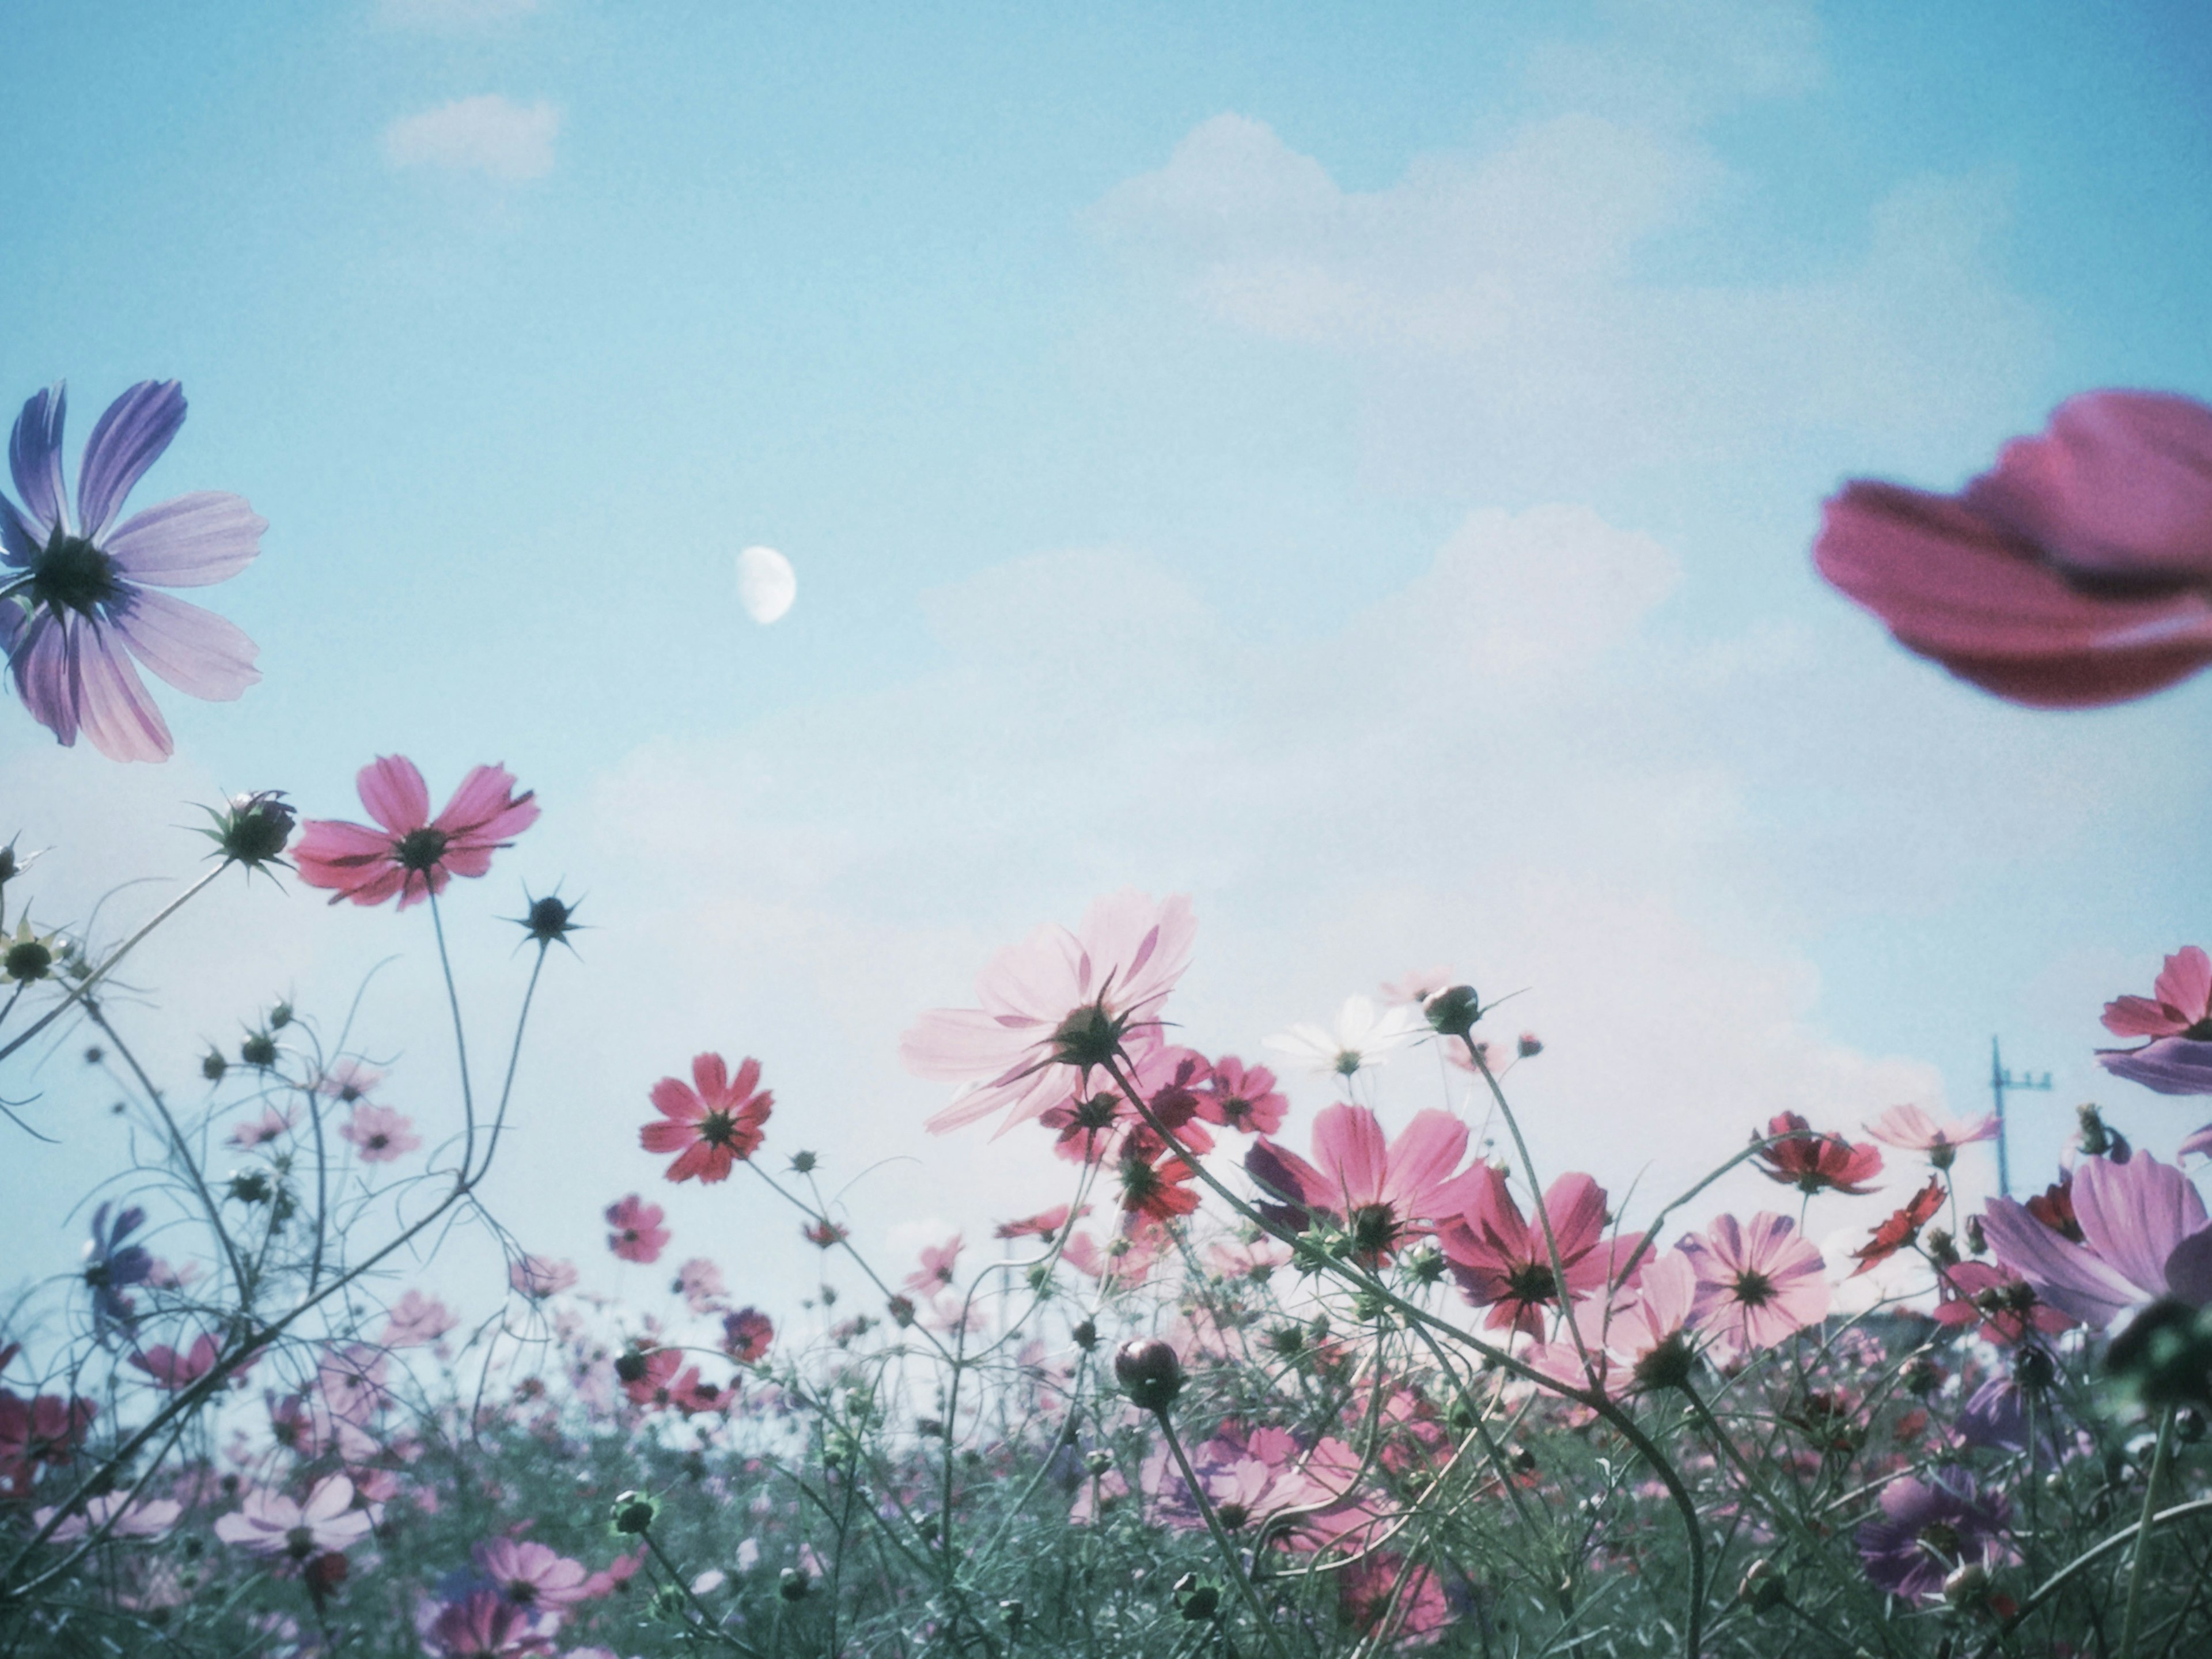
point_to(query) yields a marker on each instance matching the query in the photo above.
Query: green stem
(1220, 1538)
(2139, 1574)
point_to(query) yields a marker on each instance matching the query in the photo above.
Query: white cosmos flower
(1363, 1035)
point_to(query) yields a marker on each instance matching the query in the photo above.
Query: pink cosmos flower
(1503, 1262)
(379, 1134)
(539, 1277)
(172, 1371)
(1911, 1130)
(711, 1127)
(2000, 1301)
(308, 1428)
(1381, 1195)
(747, 1334)
(270, 1126)
(485, 1625)
(699, 1282)
(412, 854)
(612, 1576)
(530, 1575)
(2144, 1234)
(417, 1319)
(936, 1270)
(1648, 1334)
(149, 1517)
(270, 1523)
(1054, 1008)
(1757, 1281)
(45, 1430)
(348, 1080)
(1247, 1475)
(1244, 1098)
(1046, 1224)
(1814, 1162)
(2073, 574)
(636, 1234)
(77, 601)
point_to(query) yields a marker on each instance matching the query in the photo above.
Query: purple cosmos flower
(111, 1267)
(74, 606)
(1928, 1529)
(2144, 1234)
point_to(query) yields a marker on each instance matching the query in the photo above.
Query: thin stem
(460, 1041)
(1220, 1538)
(513, 1054)
(2139, 1575)
(2087, 1559)
(84, 989)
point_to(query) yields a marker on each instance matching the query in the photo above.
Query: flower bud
(630, 1366)
(1194, 1598)
(1098, 1462)
(258, 1051)
(1529, 1046)
(1764, 1589)
(1148, 1373)
(1453, 1012)
(1085, 1335)
(213, 1066)
(252, 830)
(1966, 1585)
(633, 1513)
(793, 1584)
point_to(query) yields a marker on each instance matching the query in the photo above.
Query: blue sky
(1357, 468)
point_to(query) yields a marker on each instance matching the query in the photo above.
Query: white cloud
(451, 17)
(484, 134)
(1496, 307)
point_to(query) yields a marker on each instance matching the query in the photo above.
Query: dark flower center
(72, 574)
(2201, 1031)
(1533, 1282)
(1942, 1537)
(300, 1543)
(378, 1143)
(521, 1592)
(1374, 1228)
(1087, 1037)
(1667, 1367)
(28, 960)
(421, 849)
(1096, 1113)
(717, 1129)
(1232, 1514)
(1754, 1288)
(1236, 1108)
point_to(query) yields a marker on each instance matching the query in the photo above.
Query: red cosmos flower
(412, 854)
(824, 1235)
(42, 1430)
(2054, 1207)
(2071, 575)
(1242, 1097)
(1901, 1228)
(710, 1127)
(635, 1230)
(1815, 1162)
(2005, 1304)
(1157, 1190)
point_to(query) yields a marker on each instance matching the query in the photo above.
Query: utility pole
(2001, 1082)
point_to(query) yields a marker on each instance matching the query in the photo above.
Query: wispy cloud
(486, 133)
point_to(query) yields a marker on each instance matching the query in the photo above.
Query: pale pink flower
(936, 1270)
(539, 1277)
(636, 1233)
(699, 1282)
(485, 1625)
(379, 1134)
(530, 1575)
(1380, 1193)
(1055, 1007)
(351, 1382)
(271, 1125)
(1757, 1281)
(416, 1320)
(1911, 1130)
(308, 1428)
(1255, 1259)
(146, 1518)
(270, 1523)
(412, 855)
(348, 1080)
(1418, 986)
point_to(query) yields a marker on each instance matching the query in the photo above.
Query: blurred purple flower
(2144, 1234)
(1928, 1529)
(111, 1267)
(73, 604)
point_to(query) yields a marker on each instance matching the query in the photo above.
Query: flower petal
(2133, 1214)
(200, 653)
(394, 793)
(190, 542)
(2185, 982)
(112, 703)
(484, 807)
(34, 456)
(129, 438)
(40, 660)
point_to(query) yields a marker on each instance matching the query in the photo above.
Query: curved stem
(1220, 1538)
(2138, 1574)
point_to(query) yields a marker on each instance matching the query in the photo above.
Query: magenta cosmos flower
(634, 1230)
(412, 854)
(1055, 1007)
(1380, 1194)
(270, 1523)
(2177, 1018)
(713, 1126)
(1503, 1262)
(2144, 1234)
(485, 1625)
(530, 1575)
(75, 603)
(2076, 572)
(1757, 1281)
